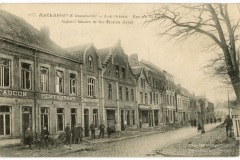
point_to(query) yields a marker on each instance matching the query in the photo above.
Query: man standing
(76, 133)
(92, 128)
(28, 137)
(228, 122)
(68, 134)
(101, 127)
(44, 136)
(81, 131)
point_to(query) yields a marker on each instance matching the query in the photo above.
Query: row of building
(42, 84)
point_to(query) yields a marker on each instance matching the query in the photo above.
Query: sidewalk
(213, 143)
(88, 144)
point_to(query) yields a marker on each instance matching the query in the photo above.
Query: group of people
(28, 135)
(110, 130)
(73, 135)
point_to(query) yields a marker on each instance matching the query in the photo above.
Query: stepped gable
(17, 30)
(78, 51)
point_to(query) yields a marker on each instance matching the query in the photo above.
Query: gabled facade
(90, 73)
(119, 88)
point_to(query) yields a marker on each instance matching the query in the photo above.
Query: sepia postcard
(119, 80)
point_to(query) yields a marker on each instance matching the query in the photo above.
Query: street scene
(119, 80)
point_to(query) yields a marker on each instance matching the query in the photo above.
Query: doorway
(156, 117)
(86, 122)
(122, 120)
(111, 117)
(26, 120)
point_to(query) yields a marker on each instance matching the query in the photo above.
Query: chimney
(134, 56)
(45, 32)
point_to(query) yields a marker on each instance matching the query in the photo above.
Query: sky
(70, 25)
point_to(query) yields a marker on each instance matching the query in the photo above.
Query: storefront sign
(12, 93)
(57, 97)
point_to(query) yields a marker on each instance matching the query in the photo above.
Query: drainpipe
(35, 96)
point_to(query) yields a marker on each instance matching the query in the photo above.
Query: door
(111, 117)
(73, 117)
(156, 117)
(122, 120)
(26, 120)
(86, 122)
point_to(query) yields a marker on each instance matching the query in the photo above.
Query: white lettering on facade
(57, 97)
(13, 93)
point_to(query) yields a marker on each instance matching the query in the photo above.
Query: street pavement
(139, 146)
(130, 144)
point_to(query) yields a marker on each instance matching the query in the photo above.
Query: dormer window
(90, 63)
(123, 73)
(117, 70)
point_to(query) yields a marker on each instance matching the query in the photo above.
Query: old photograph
(119, 80)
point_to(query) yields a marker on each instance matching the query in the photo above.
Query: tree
(182, 21)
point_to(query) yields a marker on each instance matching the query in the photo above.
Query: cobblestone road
(140, 146)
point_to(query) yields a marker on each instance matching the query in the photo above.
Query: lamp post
(202, 103)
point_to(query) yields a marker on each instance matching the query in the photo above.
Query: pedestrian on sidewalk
(28, 137)
(215, 120)
(191, 122)
(92, 128)
(68, 133)
(81, 131)
(109, 131)
(228, 122)
(211, 120)
(195, 123)
(76, 133)
(101, 127)
(199, 127)
(44, 137)
(118, 130)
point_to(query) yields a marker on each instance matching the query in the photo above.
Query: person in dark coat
(109, 131)
(211, 120)
(101, 127)
(215, 120)
(76, 133)
(92, 128)
(191, 122)
(28, 137)
(68, 134)
(44, 136)
(228, 122)
(81, 131)
(199, 127)
(195, 123)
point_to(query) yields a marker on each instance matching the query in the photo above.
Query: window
(91, 84)
(150, 97)
(133, 117)
(157, 98)
(141, 97)
(95, 117)
(60, 119)
(59, 82)
(154, 98)
(150, 79)
(5, 66)
(26, 76)
(44, 117)
(127, 98)
(44, 74)
(90, 63)
(146, 98)
(117, 70)
(143, 83)
(132, 94)
(123, 73)
(109, 91)
(5, 120)
(72, 83)
(73, 117)
(128, 117)
(120, 92)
